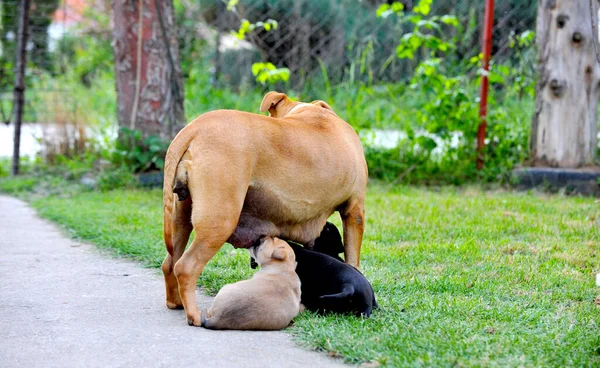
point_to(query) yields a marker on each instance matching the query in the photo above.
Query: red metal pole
(483, 96)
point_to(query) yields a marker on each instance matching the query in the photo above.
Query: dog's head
(329, 241)
(279, 105)
(271, 250)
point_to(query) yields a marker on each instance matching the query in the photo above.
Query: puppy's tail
(175, 152)
(347, 290)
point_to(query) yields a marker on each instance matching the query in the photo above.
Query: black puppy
(329, 242)
(327, 283)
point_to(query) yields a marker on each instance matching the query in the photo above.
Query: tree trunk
(564, 126)
(148, 73)
(19, 90)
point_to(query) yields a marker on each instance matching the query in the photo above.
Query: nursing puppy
(327, 283)
(268, 301)
(329, 242)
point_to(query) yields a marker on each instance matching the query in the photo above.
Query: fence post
(19, 91)
(483, 97)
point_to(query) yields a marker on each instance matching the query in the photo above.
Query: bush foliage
(433, 110)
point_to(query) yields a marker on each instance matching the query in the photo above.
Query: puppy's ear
(279, 253)
(323, 104)
(271, 100)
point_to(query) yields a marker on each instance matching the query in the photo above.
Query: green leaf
(383, 11)
(397, 7)
(450, 20)
(526, 38)
(414, 18)
(256, 68)
(503, 70)
(404, 53)
(495, 78)
(428, 24)
(231, 4)
(423, 7)
(269, 73)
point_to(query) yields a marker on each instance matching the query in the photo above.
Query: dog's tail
(347, 290)
(176, 150)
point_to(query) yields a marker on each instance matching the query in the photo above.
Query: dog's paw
(194, 319)
(172, 305)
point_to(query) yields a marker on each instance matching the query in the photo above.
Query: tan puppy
(250, 176)
(268, 301)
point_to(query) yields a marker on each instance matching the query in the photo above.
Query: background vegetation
(406, 77)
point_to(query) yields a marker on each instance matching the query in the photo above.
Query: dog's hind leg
(218, 198)
(182, 227)
(353, 218)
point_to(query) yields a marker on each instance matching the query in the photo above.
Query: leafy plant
(267, 73)
(442, 142)
(525, 76)
(247, 27)
(119, 178)
(140, 153)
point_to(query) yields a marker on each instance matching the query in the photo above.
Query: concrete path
(64, 304)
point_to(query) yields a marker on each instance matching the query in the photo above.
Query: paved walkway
(64, 304)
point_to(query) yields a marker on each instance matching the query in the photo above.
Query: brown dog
(268, 301)
(250, 176)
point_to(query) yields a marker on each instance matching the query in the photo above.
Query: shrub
(116, 178)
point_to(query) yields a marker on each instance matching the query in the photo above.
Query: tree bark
(149, 89)
(564, 125)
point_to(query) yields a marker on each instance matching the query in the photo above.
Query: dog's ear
(322, 104)
(271, 100)
(279, 253)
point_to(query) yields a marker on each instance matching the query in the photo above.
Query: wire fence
(344, 39)
(49, 22)
(336, 40)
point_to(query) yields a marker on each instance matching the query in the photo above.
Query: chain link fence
(50, 110)
(49, 22)
(331, 40)
(344, 39)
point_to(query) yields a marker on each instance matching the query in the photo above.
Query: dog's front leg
(353, 218)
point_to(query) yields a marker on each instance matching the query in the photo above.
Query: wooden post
(564, 127)
(19, 91)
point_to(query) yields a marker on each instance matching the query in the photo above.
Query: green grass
(463, 277)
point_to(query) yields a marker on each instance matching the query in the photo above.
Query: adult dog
(241, 176)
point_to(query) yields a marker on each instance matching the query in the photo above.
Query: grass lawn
(463, 277)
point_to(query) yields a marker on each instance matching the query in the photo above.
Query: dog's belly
(266, 214)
